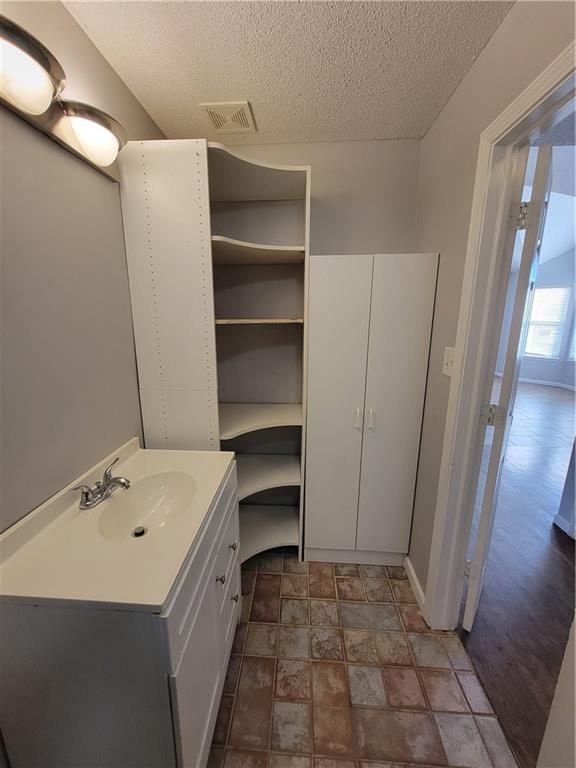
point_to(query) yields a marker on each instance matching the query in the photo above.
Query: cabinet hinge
(467, 566)
(493, 415)
(521, 215)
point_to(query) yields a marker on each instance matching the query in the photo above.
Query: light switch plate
(448, 362)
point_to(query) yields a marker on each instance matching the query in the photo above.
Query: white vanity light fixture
(89, 131)
(30, 76)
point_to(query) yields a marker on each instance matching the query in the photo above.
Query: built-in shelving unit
(259, 320)
(238, 418)
(260, 472)
(266, 527)
(258, 212)
(227, 250)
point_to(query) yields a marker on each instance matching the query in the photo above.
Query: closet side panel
(339, 309)
(166, 212)
(403, 291)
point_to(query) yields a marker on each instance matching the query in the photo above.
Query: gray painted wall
(363, 193)
(68, 375)
(67, 363)
(529, 38)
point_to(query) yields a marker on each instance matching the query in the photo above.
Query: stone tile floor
(334, 663)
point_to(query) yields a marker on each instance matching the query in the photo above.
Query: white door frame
(477, 324)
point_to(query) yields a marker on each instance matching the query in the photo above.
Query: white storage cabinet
(370, 320)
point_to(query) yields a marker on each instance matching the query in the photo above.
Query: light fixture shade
(89, 131)
(30, 76)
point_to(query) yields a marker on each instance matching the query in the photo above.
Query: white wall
(557, 750)
(363, 193)
(89, 76)
(529, 38)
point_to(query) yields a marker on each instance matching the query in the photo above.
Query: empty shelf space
(239, 418)
(233, 177)
(258, 472)
(259, 320)
(227, 250)
(265, 527)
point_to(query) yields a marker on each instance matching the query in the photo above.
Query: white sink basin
(71, 556)
(149, 504)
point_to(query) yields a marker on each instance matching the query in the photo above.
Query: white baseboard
(353, 556)
(415, 584)
(558, 384)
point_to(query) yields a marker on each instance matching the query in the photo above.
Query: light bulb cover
(91, 132)
(30, 76)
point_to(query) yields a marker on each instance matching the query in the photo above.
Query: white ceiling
(313, 71)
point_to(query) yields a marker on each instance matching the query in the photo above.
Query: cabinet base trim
(419, 593)
(354, 556)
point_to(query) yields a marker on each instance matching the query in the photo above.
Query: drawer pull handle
(235, 597)
(221, 579)
(232, 546)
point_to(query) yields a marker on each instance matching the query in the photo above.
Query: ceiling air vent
(230, 117)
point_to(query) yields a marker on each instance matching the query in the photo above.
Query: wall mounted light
(89, 131)
(31, 81)
(30, 76)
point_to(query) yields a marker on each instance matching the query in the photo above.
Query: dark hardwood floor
(527, 605)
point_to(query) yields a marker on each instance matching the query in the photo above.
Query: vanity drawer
(229, 610)
(179, 614)
(229, 546)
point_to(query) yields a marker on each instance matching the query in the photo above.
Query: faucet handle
(108, 471)
(87, 493)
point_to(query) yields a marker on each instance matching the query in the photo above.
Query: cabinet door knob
(232, 546)
(235, 597)
(221, 579)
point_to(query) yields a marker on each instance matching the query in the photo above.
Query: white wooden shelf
(235, 178)
(238, 418)
(258, 472)
(265, 527)
(259, 320)
(227, 250)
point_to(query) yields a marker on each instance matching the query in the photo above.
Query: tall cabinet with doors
(217, 250)
(369, 338)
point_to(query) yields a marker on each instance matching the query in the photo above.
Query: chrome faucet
(91, 497)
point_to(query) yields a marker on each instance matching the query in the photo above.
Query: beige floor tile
(326, 643)
(462, 741)
(360, 646)
(293, 680)
(324, 613)
(474, 693)
(350, 588)
(291, 727)
(397, 736)
(366, 686)
(261, 640)
(295, 611)
(443, 690)
(403, 688)
(295, 585)
(294, 642)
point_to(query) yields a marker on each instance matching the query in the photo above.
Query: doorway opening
(519, 607)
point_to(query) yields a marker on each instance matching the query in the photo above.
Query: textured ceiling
(313, 71)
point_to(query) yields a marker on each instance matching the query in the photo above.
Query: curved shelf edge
(228, 251)
(260, 472)
(267, 527)
(240, 418)
(273, 166)
(259, 321)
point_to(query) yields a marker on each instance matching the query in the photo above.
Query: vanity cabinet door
(196, 684)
